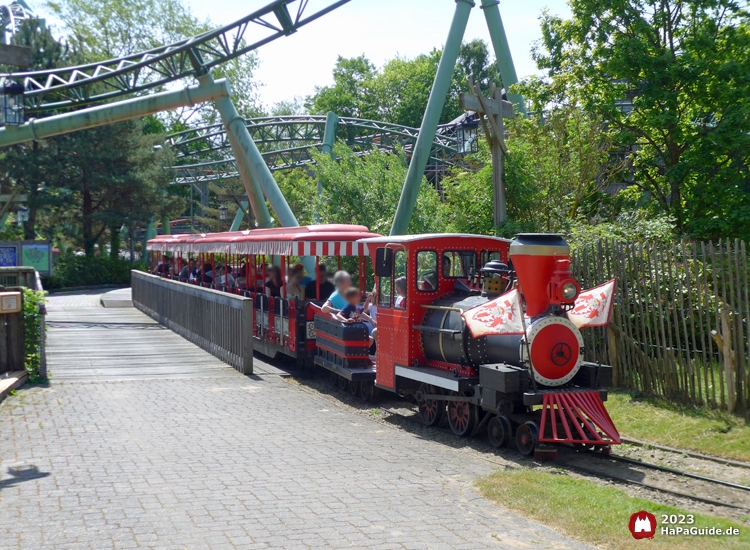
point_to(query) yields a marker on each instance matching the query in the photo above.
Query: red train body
(474, 328)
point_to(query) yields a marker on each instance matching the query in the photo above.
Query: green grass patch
(593, 513)
(700, 429)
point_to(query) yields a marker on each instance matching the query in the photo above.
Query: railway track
(673, 486)
(653, 477)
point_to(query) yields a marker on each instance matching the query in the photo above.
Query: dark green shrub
(32, 300)
(75, 271)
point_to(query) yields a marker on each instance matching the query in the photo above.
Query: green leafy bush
(32, 300)
(76, 271)
(636, 226)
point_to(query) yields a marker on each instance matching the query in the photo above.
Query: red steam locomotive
(481, 331)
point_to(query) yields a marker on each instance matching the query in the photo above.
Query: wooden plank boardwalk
(86, 341)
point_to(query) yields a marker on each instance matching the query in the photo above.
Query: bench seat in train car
(344, 349)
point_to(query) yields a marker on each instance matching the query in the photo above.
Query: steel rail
(11, 17)
(679, 472)
(299, 135)
(302, 128)
(622, 479)
(69, 87)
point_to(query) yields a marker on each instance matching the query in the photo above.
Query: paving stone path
(150, 458)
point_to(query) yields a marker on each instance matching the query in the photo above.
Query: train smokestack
(535, 257)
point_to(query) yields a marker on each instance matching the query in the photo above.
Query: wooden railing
(681, 321)
(220, 323)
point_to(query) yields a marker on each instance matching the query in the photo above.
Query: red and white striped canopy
(312, 240)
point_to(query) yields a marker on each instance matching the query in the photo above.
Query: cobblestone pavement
(229, 461)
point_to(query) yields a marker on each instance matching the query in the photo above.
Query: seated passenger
(446, 266)
(326, 288)
(305, 279)
(336, 301)
(274, 282)
(352, 312)
(400, 293)
(225, 277)
(371, 308)
(293, 287)
(187, 270)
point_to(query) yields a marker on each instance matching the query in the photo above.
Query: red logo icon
(642, 525)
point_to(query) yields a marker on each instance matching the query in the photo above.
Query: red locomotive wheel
(430, 411)
(527, 437)
(461, 417)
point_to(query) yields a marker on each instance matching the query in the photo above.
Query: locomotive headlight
(569, 291)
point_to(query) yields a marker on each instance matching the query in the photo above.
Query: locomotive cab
(476, 329)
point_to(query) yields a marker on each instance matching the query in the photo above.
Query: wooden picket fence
(680, 322)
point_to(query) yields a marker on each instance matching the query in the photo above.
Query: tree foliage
(671, 78)
(365, 190)
(555, 172)
(106, 29)
(398, 92)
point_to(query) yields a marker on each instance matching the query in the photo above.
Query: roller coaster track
(288, 141)
(72, 87)
(11, 17)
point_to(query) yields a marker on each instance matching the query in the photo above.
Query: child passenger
(353, 312)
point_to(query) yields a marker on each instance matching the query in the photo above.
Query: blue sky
(380, 29)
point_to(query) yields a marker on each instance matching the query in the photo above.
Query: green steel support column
(239, 216)
(166, 229)
(249, 153)
(431, 118)
(329, 140)
(37, 129)
(147, 236)
(502, 51)
(3, 219)
(236, 130)
(329, 134)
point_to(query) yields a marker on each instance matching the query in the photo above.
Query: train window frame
(395, 277)
(459, 253)
(417, 278)
(387, 285)
(486, 256)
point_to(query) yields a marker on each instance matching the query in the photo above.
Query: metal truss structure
(72, 87)
(287, 142)
(11, 17)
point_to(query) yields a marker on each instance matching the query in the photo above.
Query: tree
(404, 86)
(26, 167)
(107, 29)
(352, 93)
(114, 177)
(398, 93)
(671, 78)
(555, 173)
(365, 190)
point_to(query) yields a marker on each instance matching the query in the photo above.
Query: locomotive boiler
(542, 337)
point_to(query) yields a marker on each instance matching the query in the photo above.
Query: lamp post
(22, 215)
(466, 136)
(223, 211)
(11, 103)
